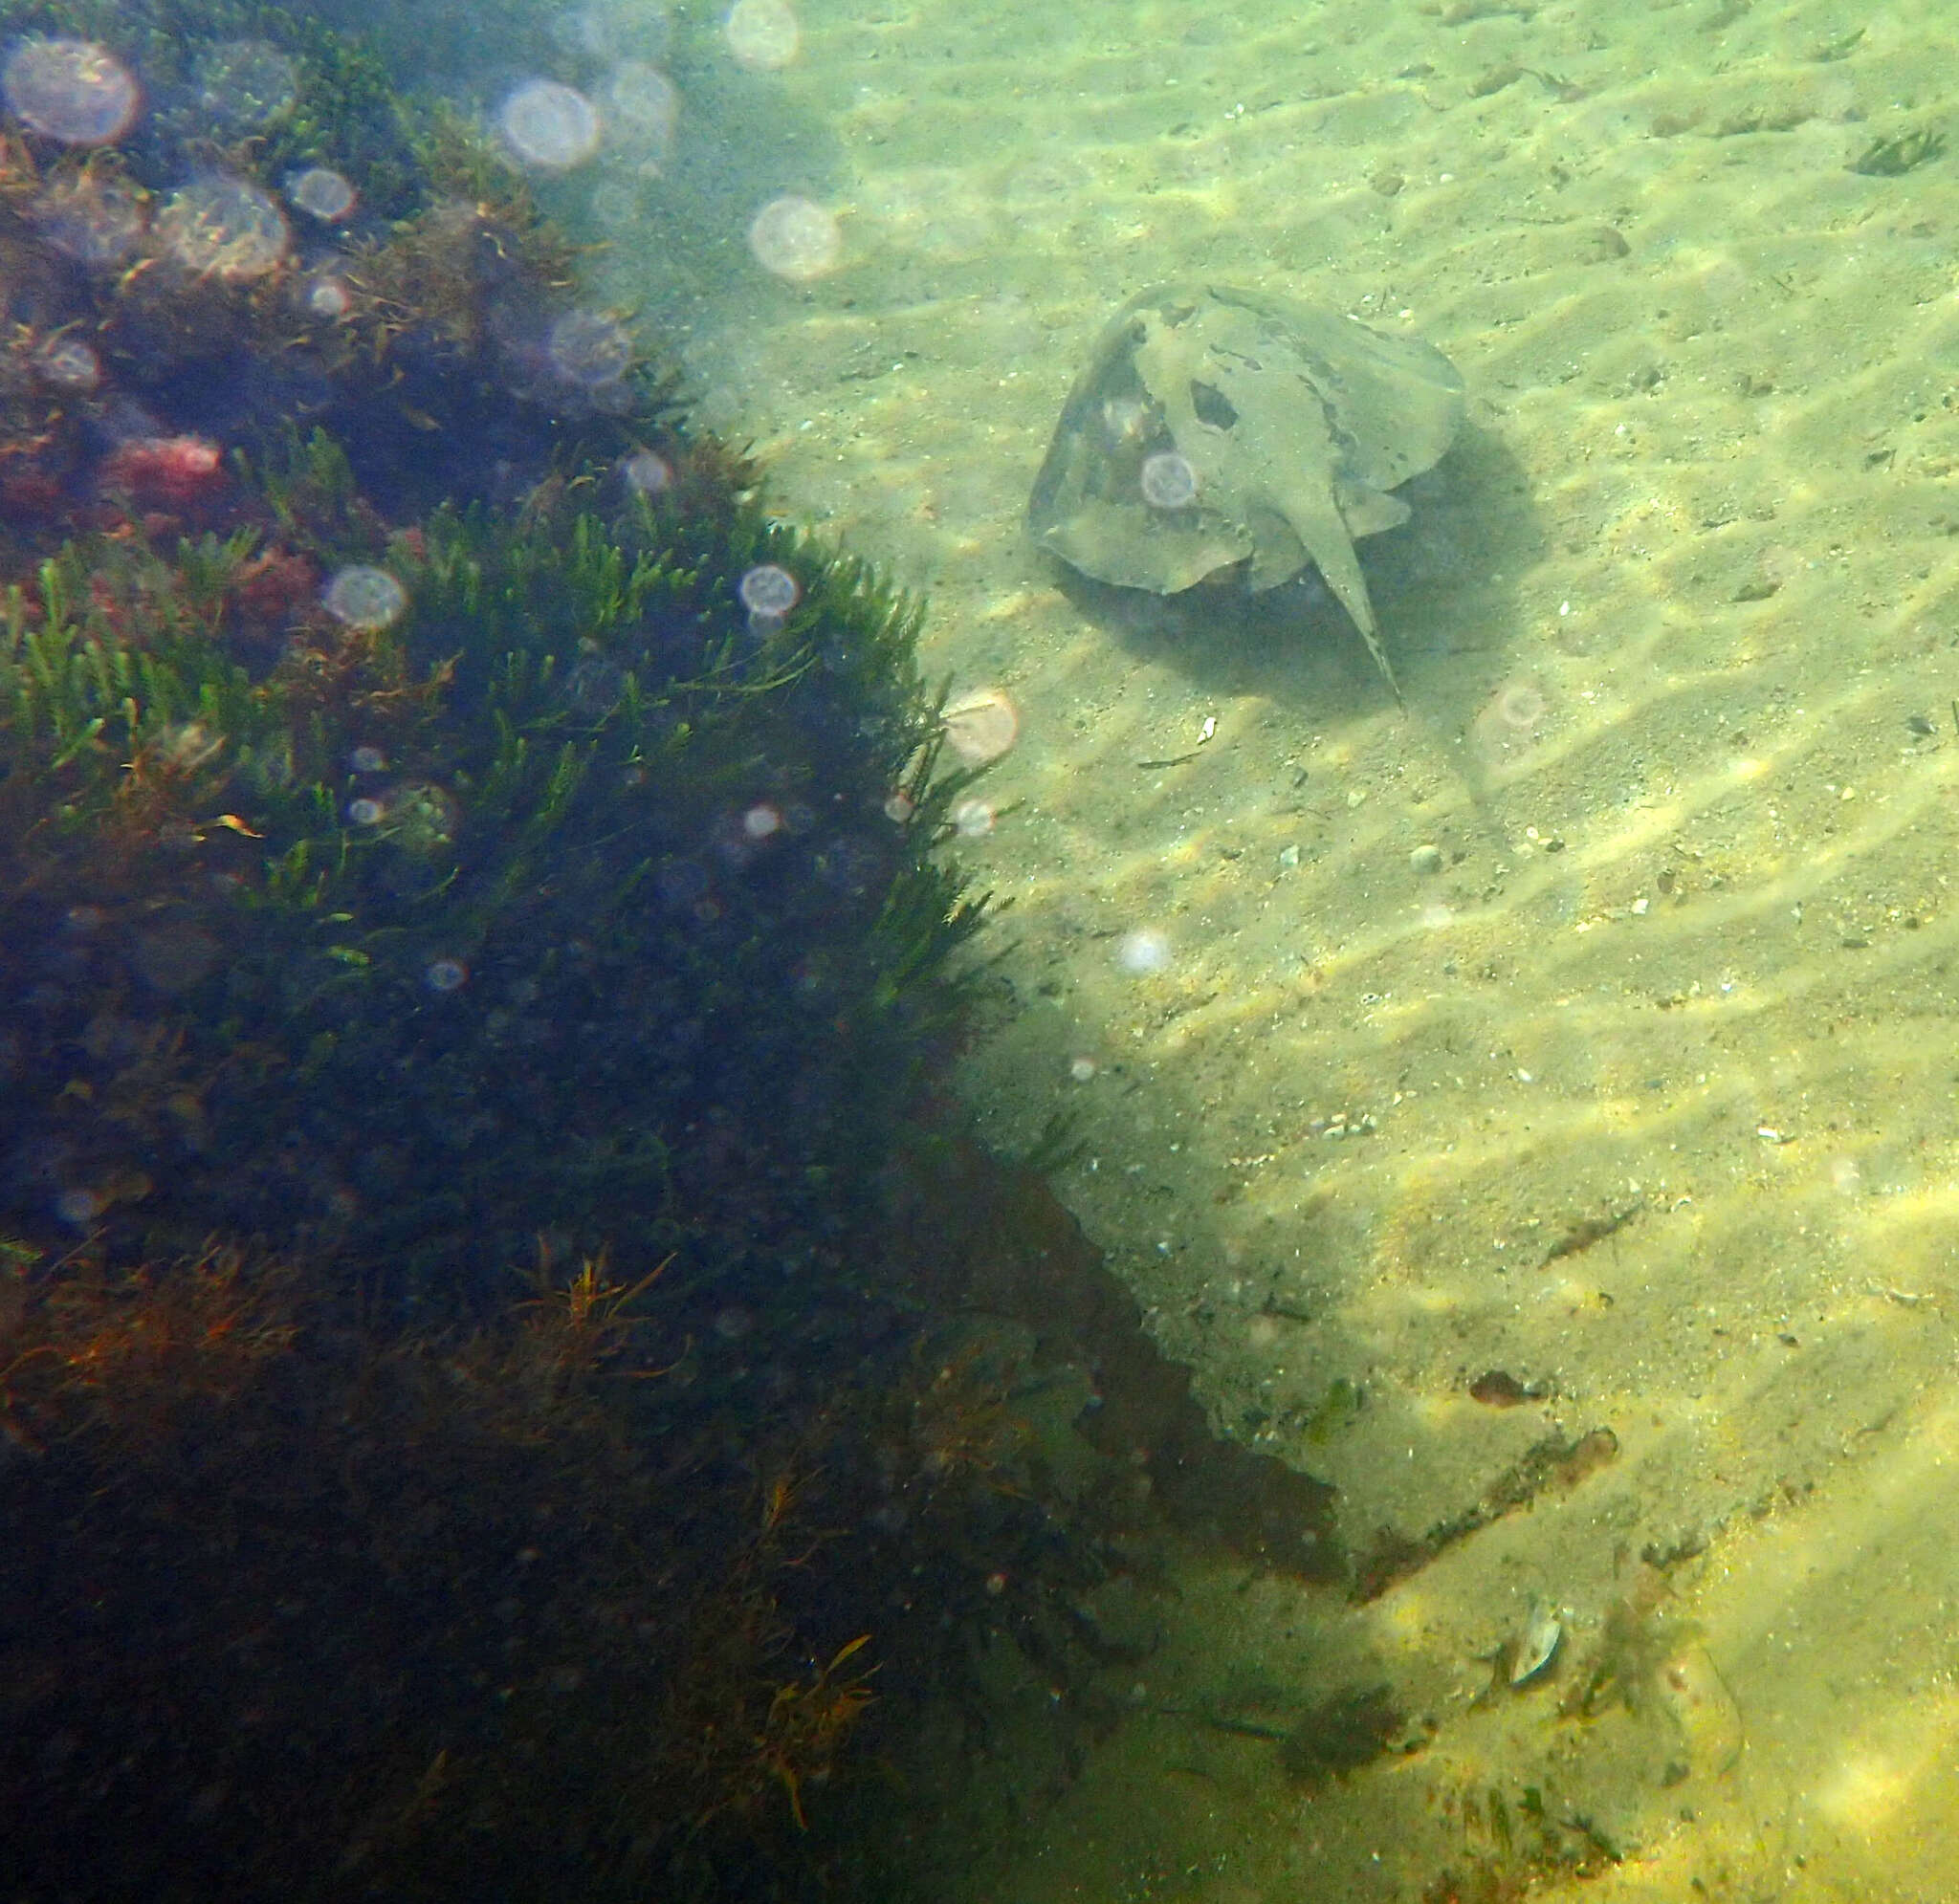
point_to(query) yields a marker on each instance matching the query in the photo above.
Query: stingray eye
(1124, 420)
(1212, 406)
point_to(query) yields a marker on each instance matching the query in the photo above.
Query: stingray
(1217, 429)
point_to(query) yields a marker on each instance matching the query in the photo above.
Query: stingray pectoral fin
(1323, 531)
(1135, 547)
(1367, 512)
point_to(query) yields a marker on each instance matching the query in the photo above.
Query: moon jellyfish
(321, 193)
(72, 90)
(551, 126)
(769, 590)
(762, 35)
(588, 348)
(224, 228)
(1168, 481)
(365, 597)
(795, 239)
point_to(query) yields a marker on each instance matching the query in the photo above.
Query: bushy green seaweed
(572, 802)
(452, 1066)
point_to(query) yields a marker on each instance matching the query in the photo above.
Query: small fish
(1590, 1229)
(1535, 1650)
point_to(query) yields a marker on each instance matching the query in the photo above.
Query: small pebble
(1426, 858)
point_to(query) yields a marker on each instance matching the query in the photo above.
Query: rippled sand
(1640, 1085)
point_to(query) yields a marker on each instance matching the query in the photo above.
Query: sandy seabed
(1590, 1020)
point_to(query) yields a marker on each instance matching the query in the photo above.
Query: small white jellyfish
(79, 1206)
(548, 125)
(762, 35)
(321, 193)
(329, 299)
(642, 108)
(769, 590)
(647, 472)
(67, 363)
(795, 238)
(1168, 480)
(71, 90)
(982, 726)
(589, 348)
(1143, 953)
(365, 597)
(93, 219)
(223, 228)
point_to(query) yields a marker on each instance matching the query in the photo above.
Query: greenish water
(1587, 1020)
(1637, 1086)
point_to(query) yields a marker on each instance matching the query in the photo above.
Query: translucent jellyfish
(1520, 706)
(329, 299)
(593, 686)
(762, 35)
(648, 473)
(615, 203)
(446, 974)
(223, 228)
(589, 348)
(79, 1206)
(367, 760)
(245, 83)
(1168, 481)
(321, 193)
(643, 109)
(366, 811)
(981, 726)
(365, 597)
(1511, 724)
(67, 363)
(70, 89)
(972, 818)
(421, 819)
(769, 590)
(551, 126)
(761, 820)
(174, 957)
(94, 220)
(1143, 953)
(795, 238)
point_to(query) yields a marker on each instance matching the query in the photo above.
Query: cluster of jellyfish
(77, 94)
(552, 128)
(80, 96)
